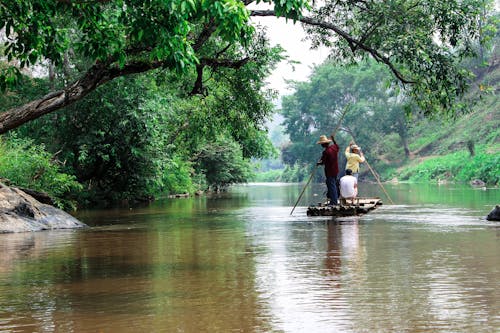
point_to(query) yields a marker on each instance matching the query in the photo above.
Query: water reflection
(240, 262)
(343, 245)
(116, 279)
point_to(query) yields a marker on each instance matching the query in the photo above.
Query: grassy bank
(459, 166)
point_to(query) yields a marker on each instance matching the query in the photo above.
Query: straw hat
(323, 139)
(355, 147)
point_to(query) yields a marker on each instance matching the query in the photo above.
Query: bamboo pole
(316, 166)
(373, 171)
(304, 188)
(340, 120)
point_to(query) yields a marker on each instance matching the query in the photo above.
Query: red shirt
(330, 160)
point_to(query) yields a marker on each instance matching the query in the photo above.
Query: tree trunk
(97, 75)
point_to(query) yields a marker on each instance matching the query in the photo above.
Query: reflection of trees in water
(226, 201)
(113, 278)
(29, 265)
(14, 247)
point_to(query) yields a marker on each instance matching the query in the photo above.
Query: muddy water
(240, 262)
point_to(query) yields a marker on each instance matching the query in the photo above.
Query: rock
(21, 212)
(494, 215)
(477, 182)
(179, 195)
(40, 196)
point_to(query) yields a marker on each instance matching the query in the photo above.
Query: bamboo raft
(359, 207)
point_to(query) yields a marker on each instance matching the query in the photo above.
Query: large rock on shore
(20, 212)
(494, 215)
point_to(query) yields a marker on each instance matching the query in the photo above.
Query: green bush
(27, 165)
(459, 167)
(268, 176)
(296, 173)
(222, 163)
(177, 177)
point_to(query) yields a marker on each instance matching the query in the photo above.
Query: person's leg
(356, 176)
(327, 189)
(331, 183)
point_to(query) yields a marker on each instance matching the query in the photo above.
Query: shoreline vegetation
(482, 169)
(155, 101)
(461, 148)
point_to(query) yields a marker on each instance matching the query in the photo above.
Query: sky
(291, 37)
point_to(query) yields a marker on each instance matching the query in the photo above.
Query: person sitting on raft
(348, 187)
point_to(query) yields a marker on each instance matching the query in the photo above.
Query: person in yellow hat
(354, 156)
(329, 159)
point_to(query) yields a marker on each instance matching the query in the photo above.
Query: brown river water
(239, 262)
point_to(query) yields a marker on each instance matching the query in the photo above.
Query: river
(239, 262)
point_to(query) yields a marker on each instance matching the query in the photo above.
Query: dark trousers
(332, 194)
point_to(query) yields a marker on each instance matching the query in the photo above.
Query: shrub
(459, 166)
(27, 165)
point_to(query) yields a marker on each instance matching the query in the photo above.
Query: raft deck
(361, 206)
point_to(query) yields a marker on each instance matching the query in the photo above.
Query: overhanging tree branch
(348, 38)
(214, 63)
(96, 76)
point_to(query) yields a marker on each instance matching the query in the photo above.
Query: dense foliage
(123, 143)
(358, 98)
(459, 166)
(421, 42)
(30, 166)
(222, 163)
(141, 137)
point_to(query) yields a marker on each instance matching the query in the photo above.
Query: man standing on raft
(330, 160)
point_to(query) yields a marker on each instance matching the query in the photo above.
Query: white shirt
(347, 189)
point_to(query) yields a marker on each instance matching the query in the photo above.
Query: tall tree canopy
(140, 136)
(373, 108)
(420, 41)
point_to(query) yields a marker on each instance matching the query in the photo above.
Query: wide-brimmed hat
(355, 147)
(323, 139)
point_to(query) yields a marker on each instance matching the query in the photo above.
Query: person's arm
(362, 156)
(320, 161)
(347, 151)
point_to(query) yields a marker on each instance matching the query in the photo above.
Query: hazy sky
(290, 36)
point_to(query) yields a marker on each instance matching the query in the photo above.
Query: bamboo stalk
(340, 120)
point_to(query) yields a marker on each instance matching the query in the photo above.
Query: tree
(122, 37)
(422, 42)
(135, 137)
(374, 108)
(222, 163)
